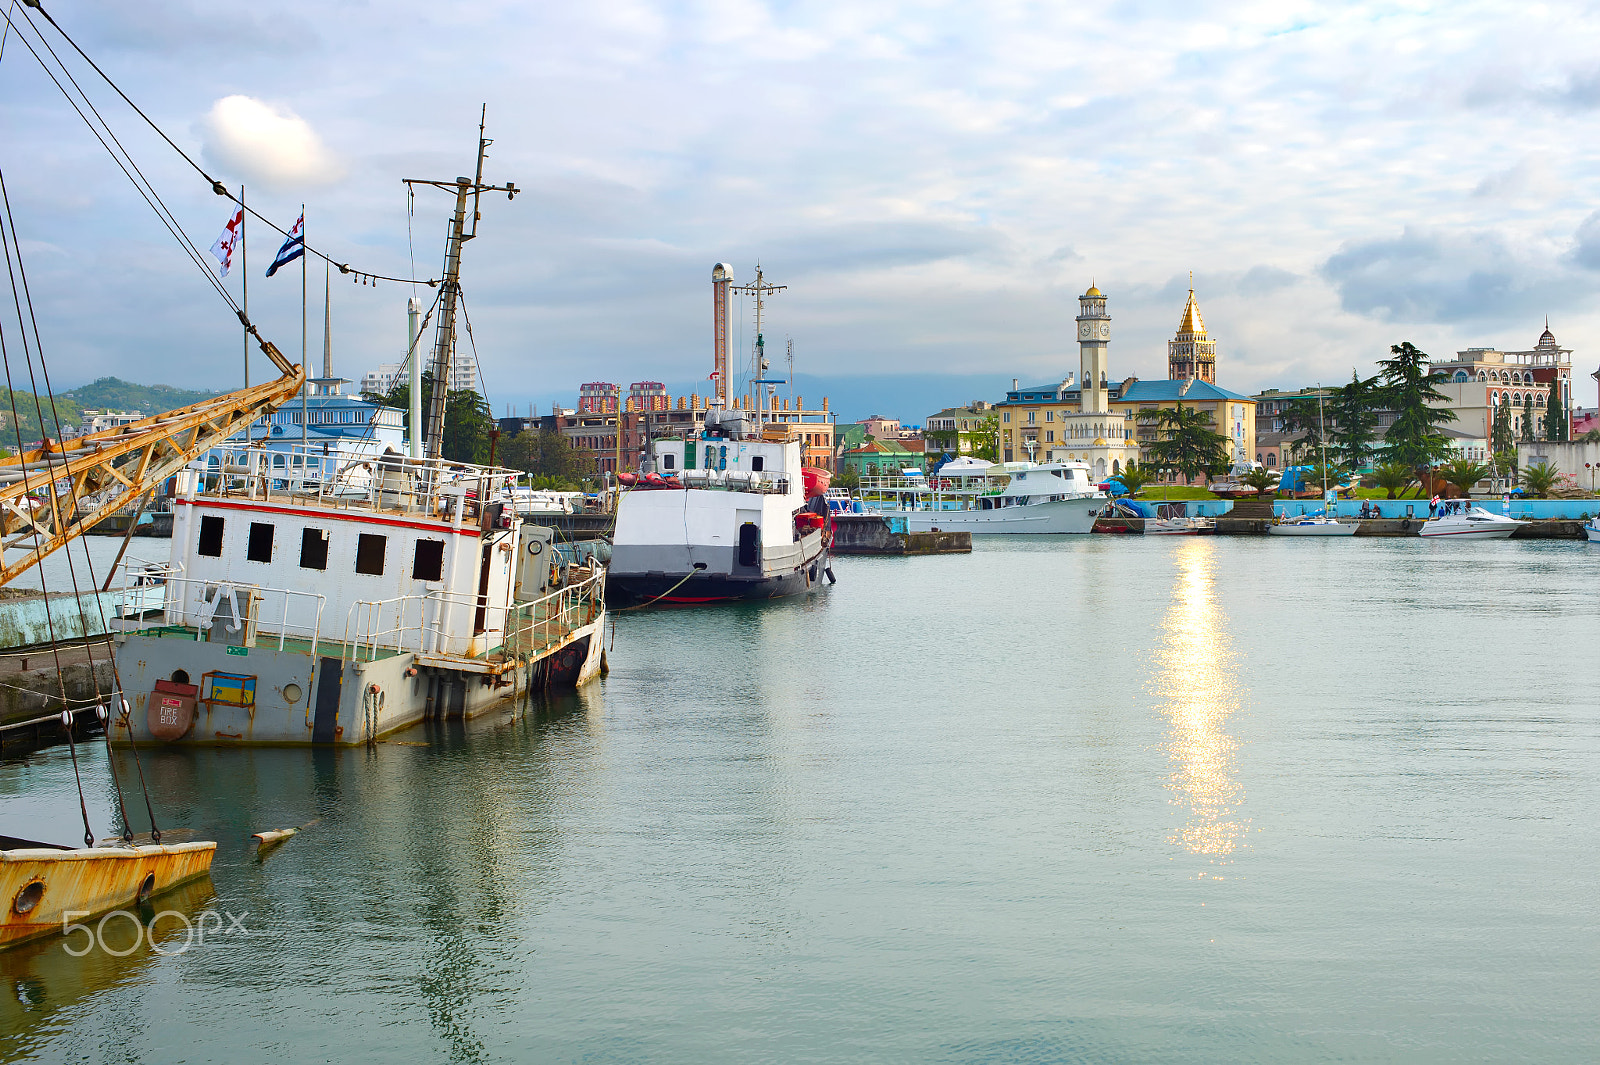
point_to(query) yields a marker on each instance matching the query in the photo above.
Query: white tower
(1094, 333)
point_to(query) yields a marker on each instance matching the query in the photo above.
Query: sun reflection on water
(1194, 684)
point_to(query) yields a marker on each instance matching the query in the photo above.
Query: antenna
(760, 288)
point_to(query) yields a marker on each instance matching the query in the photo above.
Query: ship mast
(760, 288)
(445, 333)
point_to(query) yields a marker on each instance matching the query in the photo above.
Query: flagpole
(305, 442)
(244, 264)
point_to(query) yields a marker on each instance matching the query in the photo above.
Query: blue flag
(294, 246)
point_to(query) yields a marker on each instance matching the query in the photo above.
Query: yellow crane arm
(44, 492)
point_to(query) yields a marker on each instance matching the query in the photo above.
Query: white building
(383, 379)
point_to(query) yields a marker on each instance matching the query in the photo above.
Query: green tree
(1527, 419)
(1352, 419)
(1591, 437)
(1259, 479)
(467, 420)
(1539, 478)
(1394, 477)
(1303, 416)
(1500, 438)
(1505, 464)
(1555, 417)
(847, 478)
(1408, 386)
(1134, 477)
(986, 439)
(1462, 474)
(1187, 444)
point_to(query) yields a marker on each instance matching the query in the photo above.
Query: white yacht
(1591, 529)
(992, 500)
(1463, 521)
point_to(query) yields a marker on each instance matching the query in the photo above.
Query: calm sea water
(1095, 799)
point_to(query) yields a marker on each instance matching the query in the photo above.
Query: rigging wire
(141, 184)
(101, 697)
(216, 186)
(6, 239)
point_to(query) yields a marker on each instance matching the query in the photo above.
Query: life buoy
(1405, 523)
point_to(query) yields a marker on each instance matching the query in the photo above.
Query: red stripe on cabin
(364, 518)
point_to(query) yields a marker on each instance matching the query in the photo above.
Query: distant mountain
(115, 394)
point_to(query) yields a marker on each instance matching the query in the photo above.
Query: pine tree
(1527, 419)
(1352, 417)
(1555, 419)
(1500, 436)
(1408, 385)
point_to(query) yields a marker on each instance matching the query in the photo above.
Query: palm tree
(1462, 474)
(1393, 477)
(1187, 443)
(1540, 478)
(1259, 479)
(1134, 477)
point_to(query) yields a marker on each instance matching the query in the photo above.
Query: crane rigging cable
(214, 184)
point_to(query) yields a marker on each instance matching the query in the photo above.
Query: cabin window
(211, 536)
(428, 562)
(666, 461)
(258, 548)
(369, 554)
(758, 463)
(313, 549)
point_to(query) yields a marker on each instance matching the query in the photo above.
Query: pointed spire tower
(1191, 353)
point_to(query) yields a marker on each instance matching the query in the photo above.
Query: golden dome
(1094, 292)
(1192, 322)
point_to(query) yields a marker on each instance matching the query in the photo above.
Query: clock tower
(1094, 333)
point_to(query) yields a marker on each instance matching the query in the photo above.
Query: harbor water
(1092, 799)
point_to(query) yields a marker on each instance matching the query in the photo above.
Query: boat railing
(424, 623)
(198, 602)
(737, 481)
(386, 481)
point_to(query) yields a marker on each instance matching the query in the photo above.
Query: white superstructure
(1006, 499)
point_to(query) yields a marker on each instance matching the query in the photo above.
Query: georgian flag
(223, 248)
(294, 246)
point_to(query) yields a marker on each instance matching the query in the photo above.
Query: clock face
(1085, 330)
(1105, 330)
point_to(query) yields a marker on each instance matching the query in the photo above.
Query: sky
(934, 182)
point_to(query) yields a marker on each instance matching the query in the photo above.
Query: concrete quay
(870, 534)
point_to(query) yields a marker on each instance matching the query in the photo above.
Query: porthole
(291, 693)
(147, 887)
(28, 898)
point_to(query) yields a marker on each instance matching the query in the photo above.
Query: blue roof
(1169, 392)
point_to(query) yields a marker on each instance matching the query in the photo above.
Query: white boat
(536, 501)
(734, 514)
(315, 614)
(1308, 525)
(1173, 520)
(993, 500)
(1591, 529)
(1463, 521)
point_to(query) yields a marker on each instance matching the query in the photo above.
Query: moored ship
(334, 611)
(733, 514)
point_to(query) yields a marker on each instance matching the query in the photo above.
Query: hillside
(112, 393)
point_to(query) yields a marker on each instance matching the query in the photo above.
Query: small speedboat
(1591, 529)
(1466, 522)
(1312, 526)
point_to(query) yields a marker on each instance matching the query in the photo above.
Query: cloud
(1264, 280)
(1586, 243)
(1439, 275)
(266, 145)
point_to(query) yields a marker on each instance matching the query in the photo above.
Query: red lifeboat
(627, 478)
(816, 481)
(806, 521)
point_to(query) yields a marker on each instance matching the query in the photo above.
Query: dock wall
(28, 622)
(870, 534)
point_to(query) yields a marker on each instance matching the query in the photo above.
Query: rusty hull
(89, 881)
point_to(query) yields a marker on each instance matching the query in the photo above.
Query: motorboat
(1591, 529)
(1312, 525)
(1174, 520)
(1462, 521)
